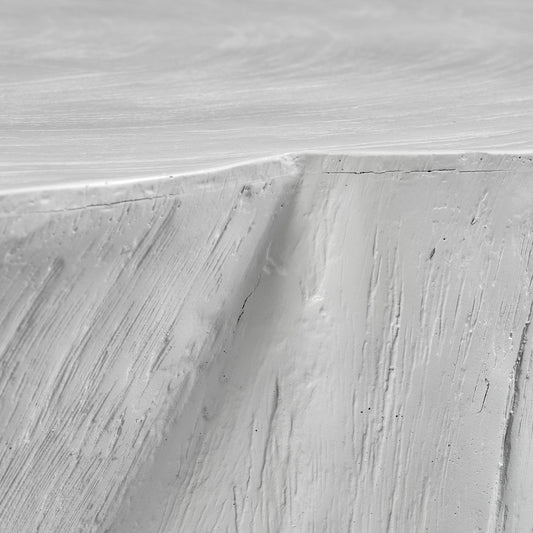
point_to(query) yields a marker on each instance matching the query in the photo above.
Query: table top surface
(120, 89)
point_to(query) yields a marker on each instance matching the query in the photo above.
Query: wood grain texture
(104, 90)
(318, 343)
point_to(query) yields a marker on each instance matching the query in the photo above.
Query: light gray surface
(319, 343)
(100, 90)
(309, 342)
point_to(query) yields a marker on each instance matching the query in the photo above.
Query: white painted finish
(319, 343)
(134, 89)
(308, 342)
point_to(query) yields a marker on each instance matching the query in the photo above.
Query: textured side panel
(109, 313)
(367, 386)
(449, 299)
(258, 350)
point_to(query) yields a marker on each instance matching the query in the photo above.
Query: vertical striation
(312, 343)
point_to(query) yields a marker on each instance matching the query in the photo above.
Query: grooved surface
(317, 341)
(320, 343)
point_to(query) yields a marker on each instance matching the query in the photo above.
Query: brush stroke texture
(311, 343)
(121, 89)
